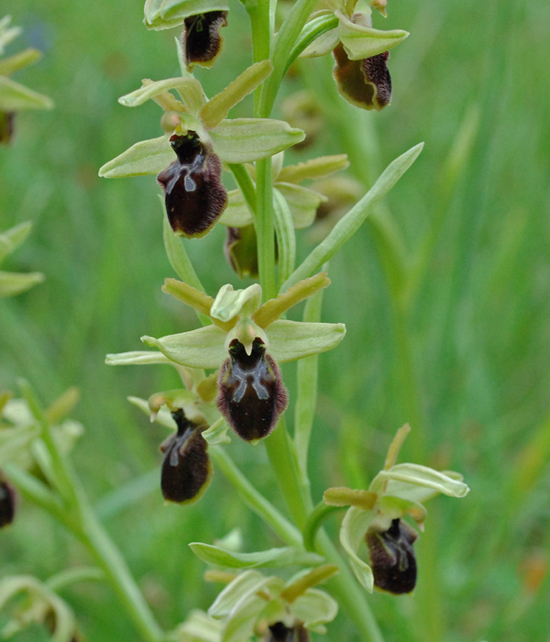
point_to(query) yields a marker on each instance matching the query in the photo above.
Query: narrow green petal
(186, 86)
(342, 496)
(12, 283)
(202, 348)
(217, 108)
(364, 42)
(352, 533)
(313, 169)
(189, 295)
(146, 157)
(16, 97)
(291, 340)
(243, 140)
(271, 310)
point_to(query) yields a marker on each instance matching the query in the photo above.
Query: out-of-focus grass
(478, 331)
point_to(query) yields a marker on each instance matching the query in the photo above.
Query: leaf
(243, 140)
(285, 236)
(291, 340)
(16, 97)
(352, 221)
(12, 283)
(273, 558)
(217, 108)
(352, 533)
(202, 348)
(362, 42)
(146, 157)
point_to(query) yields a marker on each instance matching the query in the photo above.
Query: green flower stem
(255, 500)
(78, 517)
(282, 457)
(306, 401)
(262, 22)
(265, 228)
(315, 520)
(73, 575)
(246, 185)
(178, 257)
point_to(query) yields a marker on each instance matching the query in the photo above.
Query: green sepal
(291, 340)
(202, 348)
(165, 14)
(362, 42)
(12, 283)
(146, 157)
(16, 97)
(188, 87)
(199, 627)
(217, 108)
(136, 358)
(15, 443)
(19, 61)
(243, 140)
(237, 213)
(418, 483)
(11, 239)
(352, 533)
(7, 33)
(313, 169)
(246, 584)
(273, 558)
(314, 608)
(302, 203)
(322, 45)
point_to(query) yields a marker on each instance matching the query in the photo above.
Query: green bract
(397, 490)
(234, 141)
(165, 14)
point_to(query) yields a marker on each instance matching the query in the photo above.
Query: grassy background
(467, 365)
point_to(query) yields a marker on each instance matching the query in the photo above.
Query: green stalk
(265, 228)
(255, 500)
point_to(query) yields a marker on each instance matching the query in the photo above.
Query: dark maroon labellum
(8, 501)
(252, 395)
(186, 468)
(201, 39)
(7, 123)
(278, 632)
(392, 557)
(195, 197)
(364, 83)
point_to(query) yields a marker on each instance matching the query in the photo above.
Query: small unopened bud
(241, 250)
(364, 83)
(392, 557)
(252, 394)
(195, 197)
(201, 39)
(186, 468)
(8, 502)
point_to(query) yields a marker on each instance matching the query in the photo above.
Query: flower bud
(8, 501)
(195, 197)
(364, 83)
(279, 632)
(252, 394)
(186, 468)
(392, 557)
(7, 122)
(201, 38)
(241, 250)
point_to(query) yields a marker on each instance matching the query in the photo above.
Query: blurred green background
(466, 363)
